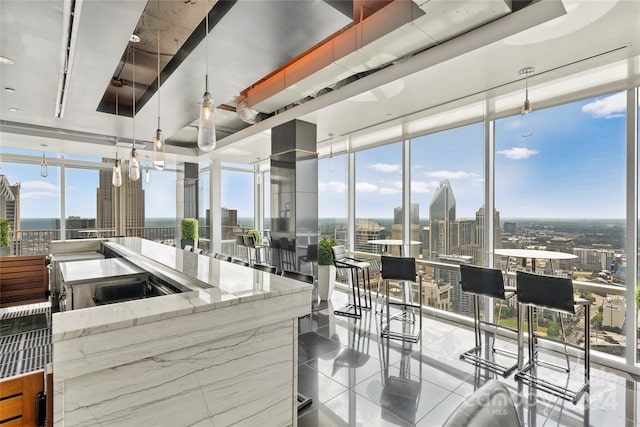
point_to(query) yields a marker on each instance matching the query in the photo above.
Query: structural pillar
(294, 192)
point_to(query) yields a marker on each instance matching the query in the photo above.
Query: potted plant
(5, 237)
(257, 236)
(326, 268)
(188, 232)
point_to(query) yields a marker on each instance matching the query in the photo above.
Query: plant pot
(185, 242)
(326, 281)
(5, 251)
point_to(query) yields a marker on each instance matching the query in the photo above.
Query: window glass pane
(266, 185)
(203, 207)
(378, 196)
(81, 187)
(237, 202)
(160, 206)
(560, 186)
(332, 198)
(33, 208)
(447, 211)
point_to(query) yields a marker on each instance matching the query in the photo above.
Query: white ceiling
(598, 35)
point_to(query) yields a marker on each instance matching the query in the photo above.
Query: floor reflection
(357, 378)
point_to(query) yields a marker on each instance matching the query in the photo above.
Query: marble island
(224, 352)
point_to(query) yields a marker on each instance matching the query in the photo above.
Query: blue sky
(562, 162)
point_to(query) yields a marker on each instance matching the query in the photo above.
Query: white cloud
(38, 190)
(389, 191)
(608, 107)
(449, 174)
(333, 186)
(518, 153)
(385, 167)
(421, 187)
(365, 187)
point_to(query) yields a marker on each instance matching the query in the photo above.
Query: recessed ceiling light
(5, 60)
(9, 89)
(16, 110)
(134, 38)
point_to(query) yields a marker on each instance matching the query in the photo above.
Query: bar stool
(264, 267)
(402, 269)
(239, 245)
(222, 257)
(239, 262)
(307, 278)
(488, 282)
(287, 254)
(355, 266)
(552, 293)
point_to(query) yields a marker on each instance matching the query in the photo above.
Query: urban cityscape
(444, 239)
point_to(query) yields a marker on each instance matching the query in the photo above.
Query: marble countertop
(88, 271)
(221, 283)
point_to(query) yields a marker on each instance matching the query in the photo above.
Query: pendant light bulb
(158, 150)
(134, 166)
(116, 175)
(146, 176)
(207, 125)
(44, 169)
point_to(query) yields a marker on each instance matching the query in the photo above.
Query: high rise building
(368, 229)
(396, 229)
(134, 212)
(10, 202)
(229, 221)
(442, 214)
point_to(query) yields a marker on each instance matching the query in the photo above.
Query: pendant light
(44, 169)
(116, 174)
(158, 142)
(206, 123)
(526, 105)
(146, 175)
(134, 163)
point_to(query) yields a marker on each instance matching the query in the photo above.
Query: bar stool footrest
(533, 381)
(414, 338)
(303, 401)
(472, 356)
(349, 310)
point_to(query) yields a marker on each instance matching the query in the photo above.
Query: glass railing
(442, 292)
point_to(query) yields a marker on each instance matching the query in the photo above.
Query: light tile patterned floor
(348, 371)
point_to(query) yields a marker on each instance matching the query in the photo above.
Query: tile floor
(355, 378)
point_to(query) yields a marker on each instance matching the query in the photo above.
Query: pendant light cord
(206, 50)
(117, 104)
(158, 18)
(133, 59)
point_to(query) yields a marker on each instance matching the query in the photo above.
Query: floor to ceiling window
(159, 206)
(237, 202)
(204, 214)
(560, 186)
(82, 189)
(266, 192)
(378, 196)
(332, 198)
(447, 210)
(34, 211)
